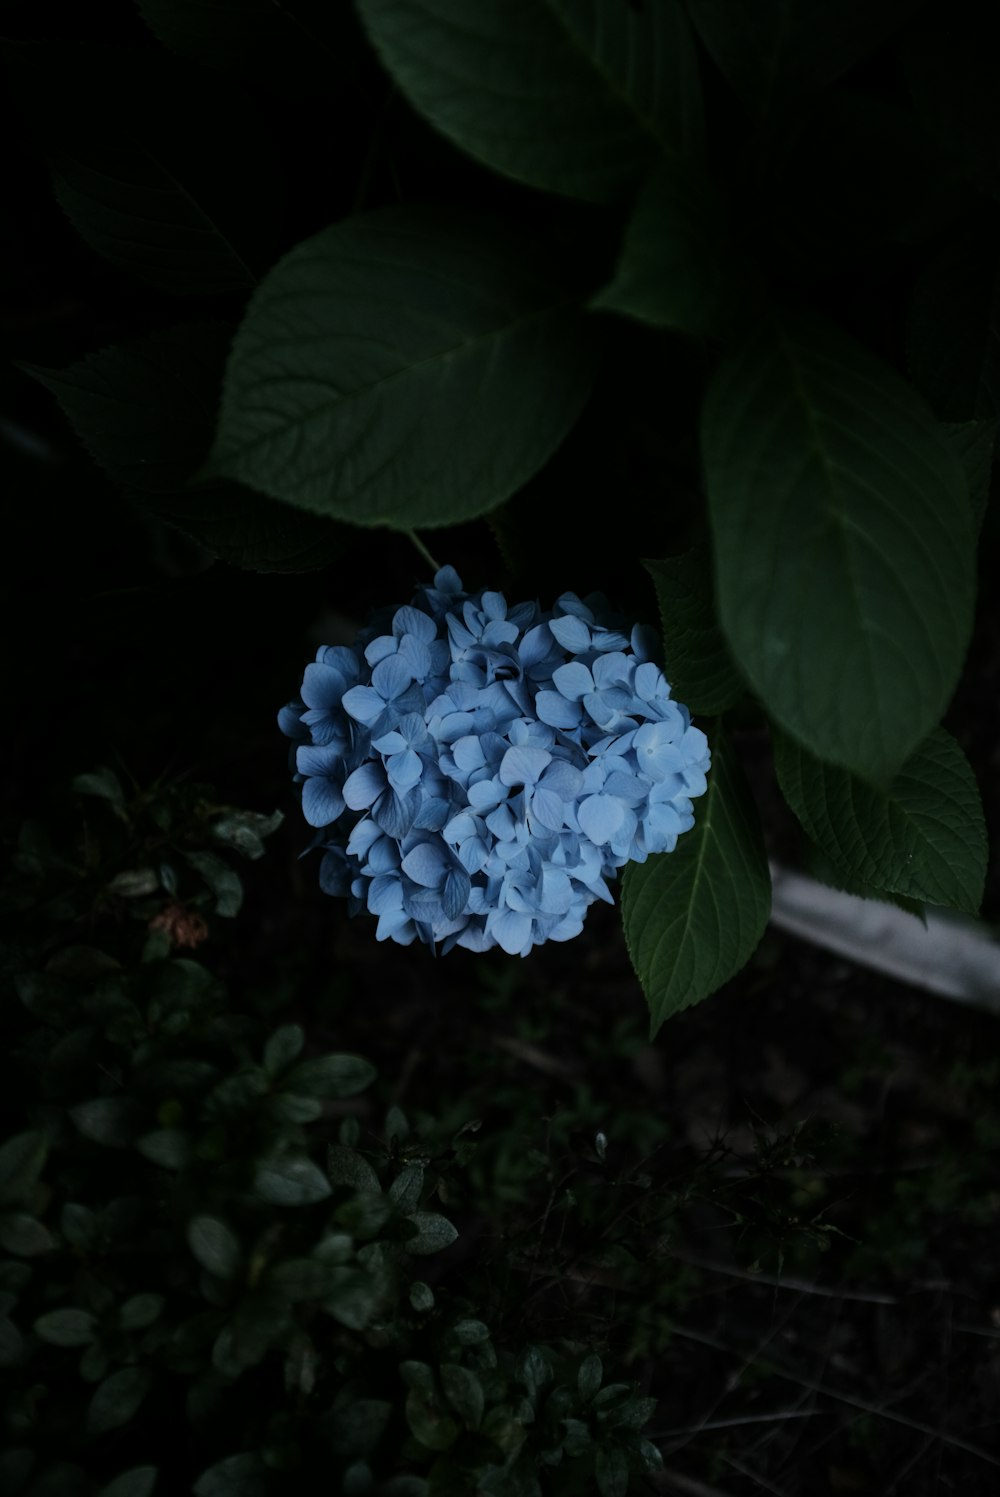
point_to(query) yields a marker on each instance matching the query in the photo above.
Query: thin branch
(418, 543)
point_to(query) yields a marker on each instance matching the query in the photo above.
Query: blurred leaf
(117, 1399)
(187, 197)
(103, 783)
(696, 658)
(843, 542)
(221, 879)
(139, 1482)
(331, 1077)
(215, 1245)
(140, 1310)
(283, 1047)
(245, 831)
(611, 1471)
(105, 1120)
(588, 1379)
(434, 1233)
(354, 1299)
(576, 96)
(470, 1332)
(675, 269)
(290, 1182)
(66, 1327)
(924, 838)
(421, 1297)
(23, 1235)
(237, 1476)
(347, 1167)
(145, 411)
(11, 1343)
(455, 361)
(428, 1422)
(533, 1371)
(22, 1159)
(168, 1147)
(775, 51)
(300, 1279)
(693, 917)
(464, 1392)
(357, 1428)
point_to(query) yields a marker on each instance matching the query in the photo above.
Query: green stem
(414, 537)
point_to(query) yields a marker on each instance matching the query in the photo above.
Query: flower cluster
(477, 773)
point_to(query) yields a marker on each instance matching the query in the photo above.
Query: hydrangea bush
(479, 773)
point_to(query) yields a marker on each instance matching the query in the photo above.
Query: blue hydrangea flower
(478, 774)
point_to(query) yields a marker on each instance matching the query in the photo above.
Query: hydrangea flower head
(477, 774)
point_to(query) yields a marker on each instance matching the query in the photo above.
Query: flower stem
(414, 537)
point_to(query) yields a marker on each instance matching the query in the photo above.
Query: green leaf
(283, 1047)
(953, 327)
(11, 1343)
(464, 1392)
(223, 881)
(697, 661)
(242, 1475)
(170, 1148)
(470, 1332)
(843, 542)
(22, 1159)
(774, 51)
(245, 831)
(405, 1190)
(588, 1379)
(925, 837)
(117, 1399)
(139, 1482)
(187, 196)
(611, 1471)
(104, 784)
(66, 1327)
(354, 1299)
(105, 1120)
(434, 1233)
(140, 1311)
(675, 269)
(428, 1422)
(576, 96)
(215, 1245)
(972, 443)
(290, 1182)
(533, 1370)
(411, 366)
(421, 1297)
(331, 1077)
(346, 1166)
(145, 410)
(694, 916)
(23, 1235)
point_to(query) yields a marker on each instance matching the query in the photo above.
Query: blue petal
(523, 765)
(512, 932)
(573, 681)
(414, 622)
(322, 802)
(364, 704)
(600, 816)
(390, 678)
(396, 813)
(380, 649)
(404, 771)
(364, 786)
(455, 893)
(547, 807)
(572, 633)
(555, 892)
(554, 710)
(427, 865)
(385, 894)
(322, 686)
(535, 645)
(312, 760)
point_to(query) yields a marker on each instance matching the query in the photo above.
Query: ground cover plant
(587, 407)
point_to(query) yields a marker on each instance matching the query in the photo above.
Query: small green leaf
(331, 1077)
(464, 1392)
(406, 367)
(105, 785)
(470, 1332)
(139, 1482)
(924, 838)
(354, 1299)
(347, 1167)
(696, 658)
(575, 98)
(588, 1379)
(242, 1475)
(67, 1327)
(844, 548)
(290, 1182)
(611, 1471)
(140, 1311)
(23, 1235)
(170, 1148)
(22, 1159)
(675, 269)
(405, 1190)
(428, 1422)
(223, 881)
(434, 1233)
(215, 1245)
(693, 917)
(421, 1297)
(284, 1047)
(105, 1120)
(533, 1370)
(117, 1399)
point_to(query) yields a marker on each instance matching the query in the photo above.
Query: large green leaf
(675, 269)
(161, 171)
(843, 541)
(406, 367)
(145, 410)
(772, 51)
(953, 327)
(576, 96)
(696, 658)
(924, 837)
(693, 917)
